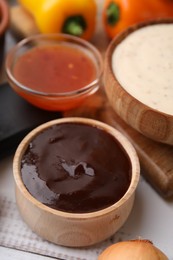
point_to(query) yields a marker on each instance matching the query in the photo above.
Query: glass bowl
(54, 71)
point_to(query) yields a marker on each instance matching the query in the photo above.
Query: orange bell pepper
(76, 17)
(120, 14)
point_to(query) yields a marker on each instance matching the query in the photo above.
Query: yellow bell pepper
(76, 17)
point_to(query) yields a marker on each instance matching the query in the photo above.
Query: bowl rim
(4, 12)
(124, 142)
(63, 38)
(116, 41)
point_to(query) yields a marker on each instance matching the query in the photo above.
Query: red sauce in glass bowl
(55, 69)
(54, 72)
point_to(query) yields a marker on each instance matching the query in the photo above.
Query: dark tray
(17, 118)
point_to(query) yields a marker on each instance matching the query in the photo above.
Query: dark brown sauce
(76, 168)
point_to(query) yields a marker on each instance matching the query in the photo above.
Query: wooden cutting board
(156, 159)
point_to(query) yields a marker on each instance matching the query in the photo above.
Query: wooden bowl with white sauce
(138, 78)
(64, 171)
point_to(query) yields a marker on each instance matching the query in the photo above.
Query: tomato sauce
(55, 69)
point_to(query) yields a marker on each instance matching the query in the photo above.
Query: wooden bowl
(75, 229)
(4, 17)
(150, 122)
(4, 22)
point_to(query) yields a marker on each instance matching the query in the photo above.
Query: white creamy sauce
(143, 65)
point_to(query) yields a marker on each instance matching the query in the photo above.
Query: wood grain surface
(155, 158)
